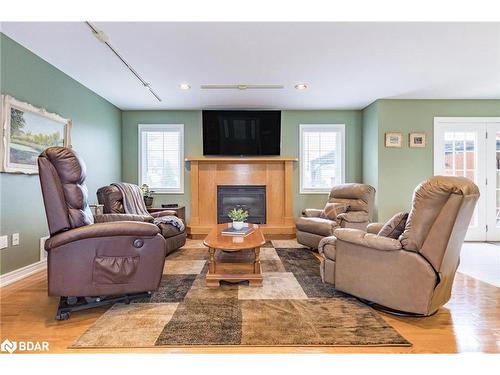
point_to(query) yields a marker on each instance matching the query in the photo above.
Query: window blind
(162, 157)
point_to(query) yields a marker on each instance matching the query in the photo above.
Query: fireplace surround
(207, 173)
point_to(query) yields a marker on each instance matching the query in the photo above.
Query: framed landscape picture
(26, 132)
(393, 140)
(417, 140)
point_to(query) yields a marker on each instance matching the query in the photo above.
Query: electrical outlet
(15, 239)
(4, 242)
(43, 252)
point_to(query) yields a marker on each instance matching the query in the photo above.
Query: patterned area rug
(292, 308)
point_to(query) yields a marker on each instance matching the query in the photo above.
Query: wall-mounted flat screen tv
(241, 133)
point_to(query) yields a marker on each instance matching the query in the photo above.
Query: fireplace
(251, 198)
(275, 173)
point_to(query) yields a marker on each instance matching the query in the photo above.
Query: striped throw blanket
(133, 203)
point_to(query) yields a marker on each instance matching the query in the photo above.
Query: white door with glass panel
(468, 147)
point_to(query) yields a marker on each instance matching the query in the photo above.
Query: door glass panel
(470, 161)
(460, 159)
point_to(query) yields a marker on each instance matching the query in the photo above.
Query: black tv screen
(241, 132)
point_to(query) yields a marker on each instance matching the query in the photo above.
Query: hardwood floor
(470, 322)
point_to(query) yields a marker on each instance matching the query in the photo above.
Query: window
(321, 157)
(161, 157)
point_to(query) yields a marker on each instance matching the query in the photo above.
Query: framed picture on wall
(417, 140)
(393, 139)
(26, 131)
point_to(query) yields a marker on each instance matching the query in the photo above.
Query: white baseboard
(21, 273)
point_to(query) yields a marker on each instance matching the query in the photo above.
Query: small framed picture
(417, 140)
(393, 139)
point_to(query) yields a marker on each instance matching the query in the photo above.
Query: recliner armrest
(112, 229)
(311, 212)
(374, 228)
(107, 218)
(163, 213)
(359, 237)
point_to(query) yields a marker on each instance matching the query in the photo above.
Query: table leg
(211, 261)
(256, 264)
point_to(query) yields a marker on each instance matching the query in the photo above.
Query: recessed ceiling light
(184, 86)
(301, 86)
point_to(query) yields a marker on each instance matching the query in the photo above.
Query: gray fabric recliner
(413, 273)
(359, 198)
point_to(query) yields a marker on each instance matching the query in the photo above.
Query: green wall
(290, 146)
(401, 170)
(96, 137)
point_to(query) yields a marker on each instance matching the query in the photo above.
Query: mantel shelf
(242, 158)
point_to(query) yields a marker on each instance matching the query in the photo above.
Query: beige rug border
(159, 347)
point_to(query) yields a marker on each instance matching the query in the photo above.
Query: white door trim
(493, 233)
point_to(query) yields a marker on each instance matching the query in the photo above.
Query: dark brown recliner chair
(91, 264)
(412, 272)
(112, 199)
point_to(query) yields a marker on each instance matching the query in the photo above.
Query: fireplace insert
(250, 198)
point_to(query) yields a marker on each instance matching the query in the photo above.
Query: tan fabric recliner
(414, 273)
(311, 227)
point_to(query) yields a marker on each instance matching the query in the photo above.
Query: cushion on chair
(331, 210)
(360, 237)
(358, 196)
(316, 225)
(168, 230)
(395, 226)
(354, 217)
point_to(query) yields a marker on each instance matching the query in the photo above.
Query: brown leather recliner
(414, 272)
(358, 199)
(112, 199)
(91, 264)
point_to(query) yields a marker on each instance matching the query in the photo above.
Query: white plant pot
(238, 225)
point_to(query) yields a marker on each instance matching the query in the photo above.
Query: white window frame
(340, 166)
(163, 128)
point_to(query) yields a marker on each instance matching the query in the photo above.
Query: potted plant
(238, 215)
(147, 195)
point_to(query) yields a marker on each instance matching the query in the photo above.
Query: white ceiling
(346, 65)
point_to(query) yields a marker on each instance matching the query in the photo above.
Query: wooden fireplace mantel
(254, 159)
(273, 172)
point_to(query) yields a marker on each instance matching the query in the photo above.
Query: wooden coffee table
(233, 262)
